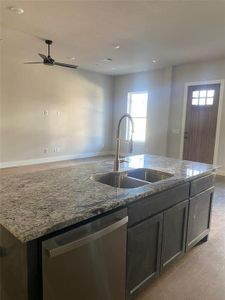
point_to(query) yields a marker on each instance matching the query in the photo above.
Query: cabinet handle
(53, 252)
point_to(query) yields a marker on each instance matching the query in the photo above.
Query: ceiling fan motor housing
(48, 42)
(49, 61)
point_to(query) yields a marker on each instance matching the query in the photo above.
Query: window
(203, 97)
(137, 108)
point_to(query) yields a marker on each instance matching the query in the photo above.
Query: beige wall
(158, 84)
(79, 105)
(205, 71)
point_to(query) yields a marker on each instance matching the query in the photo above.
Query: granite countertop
(35, 204)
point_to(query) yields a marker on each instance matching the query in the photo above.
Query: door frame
(219, 114)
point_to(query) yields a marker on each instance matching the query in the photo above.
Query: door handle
(55, 251)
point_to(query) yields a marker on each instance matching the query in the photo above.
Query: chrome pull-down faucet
(118, 140)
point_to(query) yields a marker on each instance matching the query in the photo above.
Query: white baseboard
(37, 161)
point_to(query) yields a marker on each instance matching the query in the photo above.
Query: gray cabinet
(199, 217)
(157, 226)
(154, 244)
(144, 251)
(174, 233)
(163, 227)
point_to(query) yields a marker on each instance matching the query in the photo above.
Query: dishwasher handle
(53, 252)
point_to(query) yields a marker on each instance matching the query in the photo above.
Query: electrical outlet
(58, 113)
(56, 149)
(45, 113)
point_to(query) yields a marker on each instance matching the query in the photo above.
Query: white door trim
(219, 115)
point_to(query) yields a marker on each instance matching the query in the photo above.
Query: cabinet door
(199, 217)
(174, 233)
(144, 251)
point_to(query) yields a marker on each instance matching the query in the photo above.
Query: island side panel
(18, 268)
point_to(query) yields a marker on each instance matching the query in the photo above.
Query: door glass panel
(202, 101)
(203, 93)
(203, 97)
(195, 94)
(209, 101)
(194, 101)
(210, 93)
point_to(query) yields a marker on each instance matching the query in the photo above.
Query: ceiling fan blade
(42, 56)
(33, 62)
(65, 65)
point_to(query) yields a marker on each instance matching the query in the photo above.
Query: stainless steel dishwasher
(88, 262)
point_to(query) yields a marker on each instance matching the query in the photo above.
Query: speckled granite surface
(34, 204)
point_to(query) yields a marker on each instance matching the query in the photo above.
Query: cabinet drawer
(201, 184)
(154, 204)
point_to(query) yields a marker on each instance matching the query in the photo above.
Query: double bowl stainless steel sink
(131, 179)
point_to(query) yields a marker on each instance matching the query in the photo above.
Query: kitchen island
(166, 218)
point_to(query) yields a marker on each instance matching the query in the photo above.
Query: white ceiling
(175, 32)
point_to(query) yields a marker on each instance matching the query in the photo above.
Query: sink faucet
(118, 140)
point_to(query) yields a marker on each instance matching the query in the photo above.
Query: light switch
(175, 131)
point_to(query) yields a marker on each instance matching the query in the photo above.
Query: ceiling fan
(49, 61)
